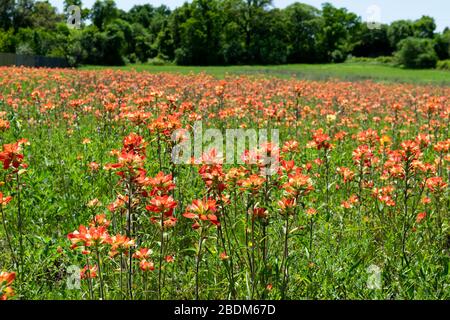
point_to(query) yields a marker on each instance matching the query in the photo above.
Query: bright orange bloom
(286, 204)
(162, 204)
(321, 140)
(202, 210)
(363, 155)
(347, 204)
(410, 150)
(6, 280)
(287, 167)
(161, 183)
(118, 203)
(135, 144)
(436, 184)
(346, 173)
(421, 216)
(142, 254)
(12, 156)
(89, 272)
(369, 136)
(4, 201)
(290, 146)
(298, 184)
(252, 183)
(99, 221)
(213, 176)
(120, 244)
(88, 237)
(145, 265)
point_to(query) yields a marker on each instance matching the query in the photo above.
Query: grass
(346, 71)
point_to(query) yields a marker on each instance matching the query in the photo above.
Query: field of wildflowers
(94, 206)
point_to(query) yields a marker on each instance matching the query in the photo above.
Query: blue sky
(389, 10)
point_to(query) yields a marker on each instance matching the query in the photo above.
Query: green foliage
(339, 28)
(303, 23)
(416, 53)
(443, 65)
(442, 45)
(424, 27)
(398, 31)
(6, 14)
(207, 32)
(7, 41)
(103, 12)
(372, 42)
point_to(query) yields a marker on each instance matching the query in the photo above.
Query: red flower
(286, 204)
(436, 184)
(298, 184)
(346, 173)
(363, 155)
(100, 220)
(202, 210)
(89, 272)
(6, 280)
(161, 183)
(145, 265)
(311, 212)
(260, 213)
(4, 201)
(421, 216)
(87, 237)
(162, 204)
(252, 183)
(321, 140)
(11, 155)
(142, 254)
(410, 150)
(135, 144)
(120, 244)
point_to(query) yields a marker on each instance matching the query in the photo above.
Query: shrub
(337, 56)
(386, 60)
(443, 65)
(378, 60)
(416, 53)
(158, 61)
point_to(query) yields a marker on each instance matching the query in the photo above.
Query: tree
(372, 42)
(200, 35)
(248, 14)
(442, 45)
(44, 16)
(303, 26)
(142, 43)
(424, 27)
(22, 16)
(142, 14)
(399, 30)
(6, 14)
(7, 41)
(103, 12)
(339, 27)
(416, 53)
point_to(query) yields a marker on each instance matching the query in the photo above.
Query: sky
(384, 11)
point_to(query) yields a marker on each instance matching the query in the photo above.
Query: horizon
(388, 12)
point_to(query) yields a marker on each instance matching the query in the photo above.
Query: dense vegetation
(93, 206)
(215, 32)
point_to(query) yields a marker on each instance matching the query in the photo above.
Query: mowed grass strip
(344, 71)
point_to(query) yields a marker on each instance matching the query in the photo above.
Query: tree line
(215, 32)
